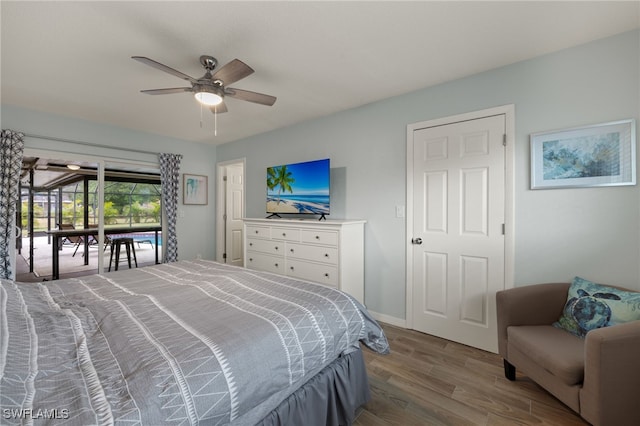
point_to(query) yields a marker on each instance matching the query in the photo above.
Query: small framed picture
(194, 189)
(598, 155)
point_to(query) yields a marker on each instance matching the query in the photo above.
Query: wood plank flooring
(427, 380)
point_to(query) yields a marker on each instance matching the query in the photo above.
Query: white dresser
(328, 252)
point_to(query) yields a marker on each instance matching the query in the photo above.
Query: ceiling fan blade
(167, 91)
(220, 108)
(232, 72)
(163, 67)
(246, 95)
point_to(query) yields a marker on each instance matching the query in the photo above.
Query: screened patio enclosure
(54, 196)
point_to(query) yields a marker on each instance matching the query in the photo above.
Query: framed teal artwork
(194, 189)
(597, 155)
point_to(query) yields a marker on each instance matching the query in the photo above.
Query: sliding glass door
(69, 215)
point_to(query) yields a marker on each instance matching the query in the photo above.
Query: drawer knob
(251, 259)
(317, 237)
(284, 234)
(326, 255)
(326, 275)
(256, 231)
(276, 265)
(250, 244)
(291, 250)
(291, 268)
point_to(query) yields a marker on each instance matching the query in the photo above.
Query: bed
(189, 342)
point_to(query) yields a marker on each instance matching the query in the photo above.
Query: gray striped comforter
(190, 342)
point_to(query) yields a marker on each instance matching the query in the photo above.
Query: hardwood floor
(427, 380)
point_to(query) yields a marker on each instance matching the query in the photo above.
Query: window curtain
(170, 178)
(10, 166)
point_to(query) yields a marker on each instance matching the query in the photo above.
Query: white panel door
(234, 213)
(458, 216)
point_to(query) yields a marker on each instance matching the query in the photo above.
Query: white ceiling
(317, 58)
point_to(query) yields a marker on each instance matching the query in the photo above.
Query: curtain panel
(170, 177)
(10, 166)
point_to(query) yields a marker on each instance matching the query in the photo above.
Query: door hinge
(504, 140)
(224, 178)
(224, 256)
(503, 229)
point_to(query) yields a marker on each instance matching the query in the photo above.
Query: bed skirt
(330, 398)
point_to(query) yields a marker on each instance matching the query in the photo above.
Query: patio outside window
(130, 201)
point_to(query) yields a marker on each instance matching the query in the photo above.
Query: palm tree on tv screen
(271, 178)
(282, 179)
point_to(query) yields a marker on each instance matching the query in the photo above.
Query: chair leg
(111, 257)
(509, 371)
(117, 255)
(114, 248)
(135, 260)
(128, 246)
(77, 247)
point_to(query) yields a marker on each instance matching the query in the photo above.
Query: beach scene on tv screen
(299, 188)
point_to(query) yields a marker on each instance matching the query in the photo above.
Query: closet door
(458, 243)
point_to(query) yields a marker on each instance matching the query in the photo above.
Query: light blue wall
(560, 233)
(195, 227)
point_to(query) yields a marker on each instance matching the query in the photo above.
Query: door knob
(417, 241)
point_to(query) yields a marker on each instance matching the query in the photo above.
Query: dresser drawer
(263, 262)
(266, 246)
(285, 234)
(315, 253)
(319, 237)
(323, 274)
(258, 231)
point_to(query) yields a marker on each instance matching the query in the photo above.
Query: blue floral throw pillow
(590, 306)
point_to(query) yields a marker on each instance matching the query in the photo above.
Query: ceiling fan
(211, 88)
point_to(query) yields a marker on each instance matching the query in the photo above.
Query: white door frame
(221, 202)
(509, 238)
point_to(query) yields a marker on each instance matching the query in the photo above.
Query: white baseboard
(388, 319)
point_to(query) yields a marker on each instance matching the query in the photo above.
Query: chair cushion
(590, 306)
(550, 348)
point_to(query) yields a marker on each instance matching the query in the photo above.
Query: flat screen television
(299, 188)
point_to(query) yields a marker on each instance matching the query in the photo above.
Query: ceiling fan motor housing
(210, 87)
(208, 62)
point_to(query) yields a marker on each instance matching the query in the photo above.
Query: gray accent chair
(598, 377)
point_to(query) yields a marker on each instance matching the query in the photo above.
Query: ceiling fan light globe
(208, 98)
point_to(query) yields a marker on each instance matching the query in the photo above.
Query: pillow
(590, 306)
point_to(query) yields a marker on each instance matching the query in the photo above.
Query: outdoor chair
(74, 240)
(78, 240)
(94, 237)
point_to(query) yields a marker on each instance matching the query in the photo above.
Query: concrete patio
(73, 266)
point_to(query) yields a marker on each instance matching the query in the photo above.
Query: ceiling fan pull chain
(215, 120)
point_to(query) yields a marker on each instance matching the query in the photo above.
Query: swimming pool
(139, 237)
